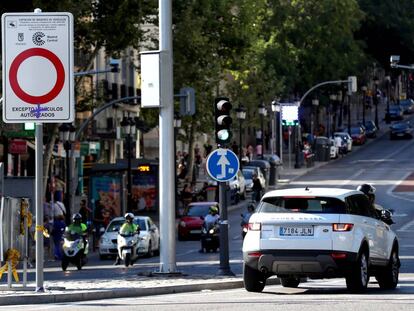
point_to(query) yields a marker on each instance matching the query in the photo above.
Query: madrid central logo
(37, 38)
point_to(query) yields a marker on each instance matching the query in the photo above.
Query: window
(358, 204)
(302, 205)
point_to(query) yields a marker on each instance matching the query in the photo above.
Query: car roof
(203, 203)
(339, 193)
(123, 218)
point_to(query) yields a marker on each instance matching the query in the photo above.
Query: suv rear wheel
(357, 280)
(388, 277)
(254, 281)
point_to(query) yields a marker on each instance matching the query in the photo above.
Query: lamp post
(364, 99)
(129, 128)
(67, 134)
(387, 114)
(241, 115)
(376, 82)
(276, 108)
(177, 125)
(263, 113)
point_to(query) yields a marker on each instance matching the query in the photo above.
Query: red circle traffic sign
(60, 76)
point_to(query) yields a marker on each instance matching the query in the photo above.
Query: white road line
(406, 226)
(347, 181)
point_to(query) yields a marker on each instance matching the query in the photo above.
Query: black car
(370, 129)
(401, 130)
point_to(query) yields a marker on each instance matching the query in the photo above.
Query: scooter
(75, 249)
(210, 237)
(128, 247)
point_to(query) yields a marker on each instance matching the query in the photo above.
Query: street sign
(37, 51)
(222, 164)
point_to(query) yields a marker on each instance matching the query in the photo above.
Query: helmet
(129, 216)
(213, 209)
(250, 208)
(76, 217)
(367, 189)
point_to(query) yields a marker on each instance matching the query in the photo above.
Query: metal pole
(262, 135)
(387, 116)
(280, 136)
(240, 142)
(129, 175)
(363, 107)
(224, 232)
(39, 207)
(68, 181)
(376, 106)
(349, 114)
(166, 156)
(290, 147)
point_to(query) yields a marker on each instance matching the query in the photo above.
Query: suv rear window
(302, 205)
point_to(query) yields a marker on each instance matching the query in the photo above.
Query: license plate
(400, 134)
(195, 231)
(296, 231)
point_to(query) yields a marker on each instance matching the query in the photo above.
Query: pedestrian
(257, 188)
(57, 234)
(85, 211)
(58, 208)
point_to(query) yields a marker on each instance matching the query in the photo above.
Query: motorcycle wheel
(65, 263)
(79, 260)
(127, 260)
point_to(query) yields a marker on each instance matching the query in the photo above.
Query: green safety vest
(78, 229)
(127, 228)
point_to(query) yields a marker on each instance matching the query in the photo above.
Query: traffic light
(222, 108)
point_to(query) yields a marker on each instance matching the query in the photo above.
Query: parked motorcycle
(128, 247)
(75, 249)
(210, 237)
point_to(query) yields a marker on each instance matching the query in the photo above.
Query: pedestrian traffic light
(222, 108)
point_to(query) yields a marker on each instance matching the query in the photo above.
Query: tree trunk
(191, 152)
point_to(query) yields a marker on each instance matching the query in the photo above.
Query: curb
(45, 298)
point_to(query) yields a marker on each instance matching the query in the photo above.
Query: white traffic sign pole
(39, 202)
(167, 156)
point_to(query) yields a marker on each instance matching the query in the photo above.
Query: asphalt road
(382, 162)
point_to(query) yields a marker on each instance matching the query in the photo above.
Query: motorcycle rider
(246, 216)
(128, 227)
(77, 227)
(369, 191)
(211, 218)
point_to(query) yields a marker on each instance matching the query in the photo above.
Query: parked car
(192, 219)
(358, 135)
(264, 167)
(401, 130)
(238, 185)
(407, 106)
(248, 173)
(148, 245)
(346, 138)
(320, 233)
(370, 129)
(396, 113)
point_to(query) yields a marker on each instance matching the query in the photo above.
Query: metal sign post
(222, 165)
(38, 86)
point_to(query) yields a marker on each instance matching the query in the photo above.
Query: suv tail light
(255, 226)
(342, 227)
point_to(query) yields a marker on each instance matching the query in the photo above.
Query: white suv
(320, 233)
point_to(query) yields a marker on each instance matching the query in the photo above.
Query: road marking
(345, 182)
(406, 226)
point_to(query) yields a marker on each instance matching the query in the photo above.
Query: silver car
(148, 245)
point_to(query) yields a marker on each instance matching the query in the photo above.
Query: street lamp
(129, 128)
(241, 115)
(276, 108)
(387, 115)
(376, 82)
(177, 125)
(67, 134)
(364, 99)
(263, 113)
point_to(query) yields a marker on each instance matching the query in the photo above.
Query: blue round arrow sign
(222, 164)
